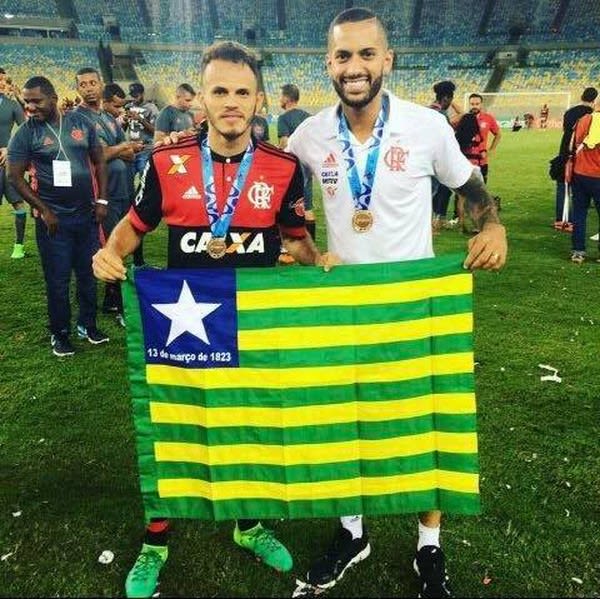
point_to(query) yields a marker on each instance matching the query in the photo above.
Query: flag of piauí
(295, 393)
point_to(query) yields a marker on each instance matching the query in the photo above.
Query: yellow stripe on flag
(316, 453)
(363, 295)
(343, 335)
(322, 376)
(335, 489)
(351, 411)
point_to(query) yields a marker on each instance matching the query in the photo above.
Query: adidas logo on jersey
(192, 194)
(330, 160)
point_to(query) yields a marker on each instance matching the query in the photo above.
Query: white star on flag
(186, 315)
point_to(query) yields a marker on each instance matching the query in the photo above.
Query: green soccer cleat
(18, 251)
(262, 542)
(142, 579)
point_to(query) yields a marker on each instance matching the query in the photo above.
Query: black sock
(138, 255)
(311, 227)
(113, 301)
(245, 525)
(20, 227)
(157, 532)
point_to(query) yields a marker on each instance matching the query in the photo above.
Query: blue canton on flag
(189, 317)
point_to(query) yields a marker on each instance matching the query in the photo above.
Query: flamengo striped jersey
(172, 188)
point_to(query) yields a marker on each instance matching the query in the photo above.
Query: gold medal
(362, 220)
(217, 247)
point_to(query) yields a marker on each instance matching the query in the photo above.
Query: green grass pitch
(68, 473)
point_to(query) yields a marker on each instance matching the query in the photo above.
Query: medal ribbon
(362, 187)
(219, 223)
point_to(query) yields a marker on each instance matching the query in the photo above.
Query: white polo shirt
(417, 144)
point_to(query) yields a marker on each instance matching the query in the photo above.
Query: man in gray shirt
(141, 116)
(11, 114)
(176, 116)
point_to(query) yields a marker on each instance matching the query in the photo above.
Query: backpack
(590, 143)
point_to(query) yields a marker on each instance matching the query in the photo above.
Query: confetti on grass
(106, 557)
(550, 377)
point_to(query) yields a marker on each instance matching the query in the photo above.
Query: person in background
(178, 115)
(444, 104)
(584, 175)
(544, 113)
(287, 123)
(260, 128)
(67, 188)
(570, 117)
(11, 114)
(141, 117)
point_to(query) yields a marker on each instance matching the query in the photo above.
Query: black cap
(136, 89)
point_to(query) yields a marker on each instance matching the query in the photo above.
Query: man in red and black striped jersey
(228, 200)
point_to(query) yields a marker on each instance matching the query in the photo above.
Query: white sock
(353, 524)
(428, 536)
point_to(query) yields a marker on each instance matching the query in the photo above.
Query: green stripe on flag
(357, 354)
(345, 315)
(294, 397)
(321, 472)
(337, 432)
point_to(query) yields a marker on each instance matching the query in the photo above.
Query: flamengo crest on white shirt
(190, 244)
(260, 195)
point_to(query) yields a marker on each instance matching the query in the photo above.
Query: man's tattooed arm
(480, 203)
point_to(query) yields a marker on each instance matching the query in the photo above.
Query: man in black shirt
(11, 114)
(570, 118)
(287, 123)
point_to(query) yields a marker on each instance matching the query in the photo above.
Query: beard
(229, 135)
(376, 85)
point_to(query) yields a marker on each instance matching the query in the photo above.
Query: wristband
(102, 202)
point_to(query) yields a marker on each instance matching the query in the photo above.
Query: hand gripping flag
(295, 393)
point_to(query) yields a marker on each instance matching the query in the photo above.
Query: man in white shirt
(374, 156)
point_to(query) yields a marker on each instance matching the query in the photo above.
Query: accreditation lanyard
(219, 223)
(362, 188)
(61, 169)
(61, 150)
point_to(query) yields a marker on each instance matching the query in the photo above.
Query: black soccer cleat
(430, 567)
(343, 553)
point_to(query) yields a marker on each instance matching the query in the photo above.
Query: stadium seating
(174, 22)
(19, 8)
(169, 69)
(412, 79)
(58, 64)
(442, 22)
